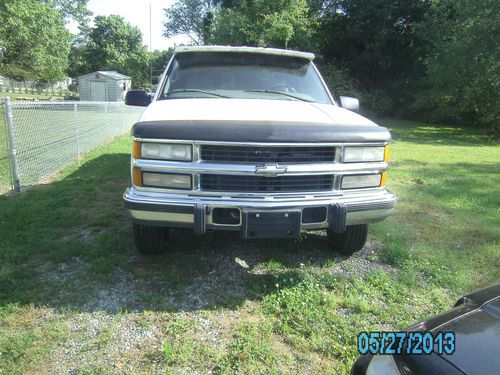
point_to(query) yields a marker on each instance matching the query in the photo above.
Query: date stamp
(411, 343)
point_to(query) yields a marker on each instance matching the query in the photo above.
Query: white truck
(251, 140)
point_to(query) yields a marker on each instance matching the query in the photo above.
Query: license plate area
(271, 224)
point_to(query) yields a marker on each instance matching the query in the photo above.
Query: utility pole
(150, 48)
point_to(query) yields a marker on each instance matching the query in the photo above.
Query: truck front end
(251, 140)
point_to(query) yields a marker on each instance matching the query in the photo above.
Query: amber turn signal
(386, 154)
(383, 179)
(136, 177)
(136, 150)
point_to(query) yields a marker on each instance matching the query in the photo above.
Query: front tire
(350, 241)
(150, 240)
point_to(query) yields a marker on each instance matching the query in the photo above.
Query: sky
(136, 12)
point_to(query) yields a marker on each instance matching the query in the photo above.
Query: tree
(374, 39)
(114, 44)
(159, 61)
(75, 10)
(36, 40)
(462, 80)
(280, 23)
(189, 17)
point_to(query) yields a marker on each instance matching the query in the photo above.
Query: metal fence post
(12, 146)
(75, 115)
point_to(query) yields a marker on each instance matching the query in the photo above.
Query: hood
(250, 110)
(475, 320)
(255, 120)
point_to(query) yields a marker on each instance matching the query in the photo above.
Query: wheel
(350, 241)
(150, 240)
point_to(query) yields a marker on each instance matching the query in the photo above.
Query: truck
(251, 139)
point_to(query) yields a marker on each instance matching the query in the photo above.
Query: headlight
(166, 151)
(382, 365)
(164, 180)
(363, 154)
(361, 181)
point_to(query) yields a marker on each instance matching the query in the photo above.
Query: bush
(342, 84)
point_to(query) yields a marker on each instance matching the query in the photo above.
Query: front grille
(268, 154)
(261, 184)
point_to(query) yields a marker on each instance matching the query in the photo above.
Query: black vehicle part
(337, 217)
(200, 220)
(150, 240)
(351, 240)
(271, 224)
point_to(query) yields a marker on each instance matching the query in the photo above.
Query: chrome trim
(162, 216)
(270, 170)
(256, 144)
(353, 217)
(244, 195)
(379, 196)
(367, 217)
(150, 165)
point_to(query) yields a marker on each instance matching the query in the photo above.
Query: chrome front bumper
(191, 211)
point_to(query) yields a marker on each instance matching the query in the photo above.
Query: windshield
(244, 76)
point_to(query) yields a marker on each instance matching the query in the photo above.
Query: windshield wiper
(281, 93)
(196, 90)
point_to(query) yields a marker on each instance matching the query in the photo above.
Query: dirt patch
(219, 274)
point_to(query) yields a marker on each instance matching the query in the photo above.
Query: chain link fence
(48, 136)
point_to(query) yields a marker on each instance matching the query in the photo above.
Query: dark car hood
(476, 323)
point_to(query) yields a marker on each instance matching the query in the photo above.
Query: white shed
(103, 86)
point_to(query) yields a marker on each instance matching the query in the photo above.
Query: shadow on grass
(69, 245)
(433, 134)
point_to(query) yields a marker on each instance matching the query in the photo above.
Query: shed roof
(265, 51)
(108, 73)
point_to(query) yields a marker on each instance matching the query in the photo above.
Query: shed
(103, 86)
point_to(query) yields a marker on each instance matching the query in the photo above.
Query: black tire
(151, 240)
(350, 241)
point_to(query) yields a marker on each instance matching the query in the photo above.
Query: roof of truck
(265, 51)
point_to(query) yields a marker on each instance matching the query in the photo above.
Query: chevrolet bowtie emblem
(270, 170)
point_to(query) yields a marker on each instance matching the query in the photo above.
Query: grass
(75, 296)
(29, 96)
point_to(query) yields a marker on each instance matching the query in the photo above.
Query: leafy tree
(280, 23)
(462, 80)
(36, 39)
(71, 9)
(374, 39)
(114, 44)
(189, 17)
(159, 61)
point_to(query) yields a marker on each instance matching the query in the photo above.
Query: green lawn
(75, 296)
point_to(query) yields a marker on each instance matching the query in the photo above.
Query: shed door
(97, 91)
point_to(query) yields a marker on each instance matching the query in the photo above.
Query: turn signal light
(384, 179)
(136, 150)
(136, 177)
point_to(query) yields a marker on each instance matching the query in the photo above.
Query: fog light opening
(312, 215)
(226, 216)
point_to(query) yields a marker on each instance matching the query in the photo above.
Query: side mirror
(352, 104)
(138, 98)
